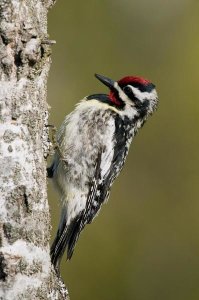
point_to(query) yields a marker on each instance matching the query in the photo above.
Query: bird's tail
(66, 237)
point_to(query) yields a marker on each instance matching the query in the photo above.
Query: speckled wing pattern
(92, 206)
(100, 186)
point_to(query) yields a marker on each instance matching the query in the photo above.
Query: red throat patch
(113, 97)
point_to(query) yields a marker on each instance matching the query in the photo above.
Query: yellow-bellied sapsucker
(93, 143)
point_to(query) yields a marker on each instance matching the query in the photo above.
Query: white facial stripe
(129, 110)
(143, 95)
(140, 95)
(122, 95)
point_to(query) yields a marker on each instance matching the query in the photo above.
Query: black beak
(107, 81)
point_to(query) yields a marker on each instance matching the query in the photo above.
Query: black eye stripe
(128, 91)
(143, 88)
(138, 104)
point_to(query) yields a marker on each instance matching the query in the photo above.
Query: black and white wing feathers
(107, 168)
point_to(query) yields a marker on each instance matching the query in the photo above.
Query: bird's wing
(105, 173)
(106, 170)
(109, 163)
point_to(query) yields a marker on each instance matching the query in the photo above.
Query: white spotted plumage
(77, 164)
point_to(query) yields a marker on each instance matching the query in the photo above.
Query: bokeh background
(145, 243)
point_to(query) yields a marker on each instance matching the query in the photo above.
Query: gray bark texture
(25, 268)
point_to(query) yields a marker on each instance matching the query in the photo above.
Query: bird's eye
(127, 90)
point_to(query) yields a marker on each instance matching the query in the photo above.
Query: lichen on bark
(25, 268)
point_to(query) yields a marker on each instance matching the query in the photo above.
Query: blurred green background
(145, 243)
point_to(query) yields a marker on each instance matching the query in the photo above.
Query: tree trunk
(25, 268)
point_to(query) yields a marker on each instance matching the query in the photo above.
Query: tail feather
(67, 236)
(57, 249)
(73, 238)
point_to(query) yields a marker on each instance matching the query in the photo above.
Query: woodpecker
(92, 145)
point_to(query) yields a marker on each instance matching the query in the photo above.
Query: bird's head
(132, 91)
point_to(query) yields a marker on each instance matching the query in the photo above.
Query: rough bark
(25, 268)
